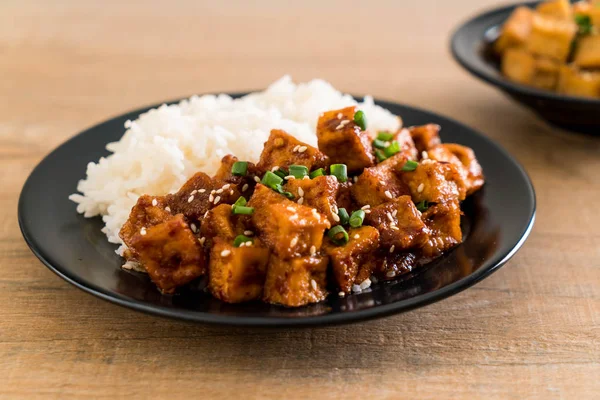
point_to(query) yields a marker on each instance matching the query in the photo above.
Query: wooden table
(530, 330)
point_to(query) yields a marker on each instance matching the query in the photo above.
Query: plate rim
(459, 35)
(421, 300)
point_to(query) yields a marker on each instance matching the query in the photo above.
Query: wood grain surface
(531, 330)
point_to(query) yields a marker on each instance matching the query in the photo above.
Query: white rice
(165, 146)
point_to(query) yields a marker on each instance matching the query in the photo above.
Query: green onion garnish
(410, 165)
(338, 235)
(241, 201)
(344, 217)
(317, 172)
(360, 119)
(385, 136)
(380, 155)
(357, 218)
(340, 171)
(585, 24)
(392, 149)
(280, 173)
(279, 189)
(298, 171)
(239, 168)
(271, 180)
(242, 210)
(423, 205)
(241, 239)
(379, 144)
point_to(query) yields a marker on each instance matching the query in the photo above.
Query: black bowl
(470, 46)
(497, 221)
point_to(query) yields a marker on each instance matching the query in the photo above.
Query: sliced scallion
(423, 205)
(379, 144)
(242, 210)
(360, 119)
(298, 171)
(241, 239)
(380, 155)
(317, 172)
(338, 235)
(385, 136)
(271, 180)
(392, 149)
(340, 171)
(410, 165)
(357, 218)
(344, 217)
(239, 168)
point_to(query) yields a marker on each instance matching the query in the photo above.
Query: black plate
(497, 221)
(470, 46)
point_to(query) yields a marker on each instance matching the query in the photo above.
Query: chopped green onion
(380, 155)
(423, 205)
(392, 149)
(338, 235)
(279, 189)
(360, 119)
(239, 168)
(340, 171)
(280, 173)
(298, 171)
(344, 217)
(379, 144)
(241, 239)
(242, 210)
(271, 180)
(241, 201)
(585, 24)
(357, 218)
(385, 136)
(410, 165)
(317, 172)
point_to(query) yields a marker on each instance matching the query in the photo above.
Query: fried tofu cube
(237, 274)
(560, 9)
(377, 185)
(399, 224)
(546, 73)
(287, 228)
(282, 150)
(296, 282)
(147, 212)
(170, 253)
(574, 82)
(343, 141)
(221, 223)
(551, 37)
(320, 193)
(435, 182)
(518, 65)
(425, 136)
(443, 222)
(587, 54)
(407, 145)
(344, 196)
(201, 193)
(347, 260)
(515, 30)
(464, 159)
(390, 266)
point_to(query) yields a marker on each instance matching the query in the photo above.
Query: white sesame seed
(428, 161)
(335, 209)
(394, 227)
(294, 217)
(219, 191)
(302, 149)
(225, 253)
(340, 116)
(313, 250)
(305, 178)
(421, 187)
(335, 217)
(143, 231)
(211, 198)
(168, 209)
(357, 236)
(390, 274)
(365, 284)
(201, 190)
(294, 241)
(226, 186)
(217, 199)
(231, 192)
(424, 155)
(345, 122)
(365, 207)
(295, 149)
(194, 191)
(154, 202)
(355, 179)
(392, 248)
(202, 240)
(300, 192)
(341, 294)
(290, 208)
(356, 288)
(245, 187)
(315, 212)
(301, 200)
(388, 194)
(313, 284)
(242, 244)
(190, 199)
(382, 183)
(367, 211)
(389, 215)
(256, 179)
(340, 126)
(205, 214)
(193, 227)
(275, 168)
(394, 213)
(213, 191)
(289, 177)
(249, 243)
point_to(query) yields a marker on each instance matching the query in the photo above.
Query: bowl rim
(471, 58)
